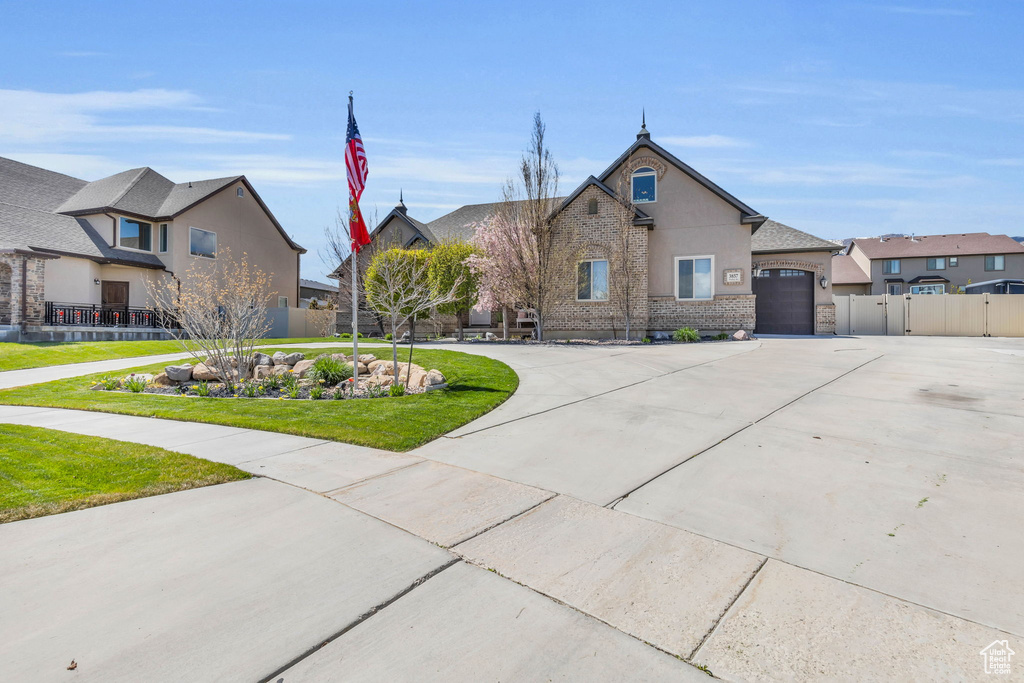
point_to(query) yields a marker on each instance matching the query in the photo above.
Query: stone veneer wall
(11, 294)
(727, 312)
(597, 236)
(825, 319)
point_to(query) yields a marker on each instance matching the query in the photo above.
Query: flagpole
(355, 319)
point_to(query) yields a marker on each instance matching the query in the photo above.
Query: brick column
(22, 283)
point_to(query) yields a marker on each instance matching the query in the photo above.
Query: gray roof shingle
(773, 236)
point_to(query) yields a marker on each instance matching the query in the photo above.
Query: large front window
(693, 277)
(997, 262)
(202, 243)
(892, 267)
(645, 185)
(132, 234)
(928, 289)
(592, 281)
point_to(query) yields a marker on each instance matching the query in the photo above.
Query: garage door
(785, 302)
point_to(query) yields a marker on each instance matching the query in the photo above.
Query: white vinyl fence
(951, 315)
(297, 322)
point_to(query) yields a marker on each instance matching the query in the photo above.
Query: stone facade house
(76, 256)
(690, 251)
(928, 264)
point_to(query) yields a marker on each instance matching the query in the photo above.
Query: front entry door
(114, 294)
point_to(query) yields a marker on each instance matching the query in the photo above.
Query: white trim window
(928, 289)
(891, 267)
(282, 302)
(644, 185)
(134, 235)
(202, 243)
(592, 280)
(695, 277)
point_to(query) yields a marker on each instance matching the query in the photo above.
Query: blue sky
(839, 118)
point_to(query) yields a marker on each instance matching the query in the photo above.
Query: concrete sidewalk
(787, 509)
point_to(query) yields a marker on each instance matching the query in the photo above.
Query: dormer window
(133, 234)
(645, 185)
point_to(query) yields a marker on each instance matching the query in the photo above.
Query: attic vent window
(240, 192)
(592, 206)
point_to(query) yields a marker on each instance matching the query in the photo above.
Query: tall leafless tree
(626, 266)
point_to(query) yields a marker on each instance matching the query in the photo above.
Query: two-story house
(928, 264)
(80, 254)
(705, 258)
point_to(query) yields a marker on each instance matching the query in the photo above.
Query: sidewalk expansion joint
(360, 619)
(507, 519)
(725, 611)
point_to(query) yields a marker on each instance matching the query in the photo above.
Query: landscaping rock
(262, 371)
(278, 370)
(367, 358)
(179, 373)
(378, 367)
(259, 359)
(491, 336)
(293, 358)
(381, 380)
(741, 335)
(279, 358)
(433, 377)
(434, 387)
(661, 336)
(416, 379)
(363, 370)
(204, 373)
(302, 367)
(162, 380)
(340, 357)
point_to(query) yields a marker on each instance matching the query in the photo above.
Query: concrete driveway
(846, 508)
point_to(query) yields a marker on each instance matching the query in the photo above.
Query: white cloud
(856, 174)
(922, 11)
(703, 141)
(30, 117)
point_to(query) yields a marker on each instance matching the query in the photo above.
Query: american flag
(356, 170)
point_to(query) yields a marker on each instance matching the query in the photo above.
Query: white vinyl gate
(969, 315)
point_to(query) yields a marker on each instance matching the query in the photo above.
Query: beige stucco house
(928, 264)
(76, 256)
(704, 258)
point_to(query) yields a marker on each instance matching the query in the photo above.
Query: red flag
(356, 170)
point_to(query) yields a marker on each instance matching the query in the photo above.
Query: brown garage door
(785, 302)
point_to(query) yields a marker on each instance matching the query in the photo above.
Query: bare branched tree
(398, 286)
(323, 315)
(336, 254)
(220, 307)
(627, 264)
(529, 261)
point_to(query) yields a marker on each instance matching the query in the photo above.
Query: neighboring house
(701, 258)
(310, 290)
(929, 264)
(80, 254)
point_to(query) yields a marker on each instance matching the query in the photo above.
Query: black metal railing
(94, 315)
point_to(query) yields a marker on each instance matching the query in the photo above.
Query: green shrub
(721, 336)
(110, 383)
(135, 384)
(397, 389)
(645, 340)
(376, 391)
(293, 391)
(388, 337)
(339, 393)
(271, 382)
(252, 389)
(330, 370)
(316, 392)
(202, 389)
(687, 335)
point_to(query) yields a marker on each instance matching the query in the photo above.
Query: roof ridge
(40, 168)
(142, 171)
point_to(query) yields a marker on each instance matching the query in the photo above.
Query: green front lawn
(43, 472)
(40, 354)
(476, 385)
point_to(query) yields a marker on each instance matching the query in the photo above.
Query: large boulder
(741, 335)
(340, 357)
(263, 371)
(302, 367)
(416, 378)
(367, 358)
(162, 380)
(378, 367)
(280, 369)
(204, 373)
(259, 359)
(293, 358)
(279, 358)
(179, 373)
(434, 377)
(380, 380)
(363, 370)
